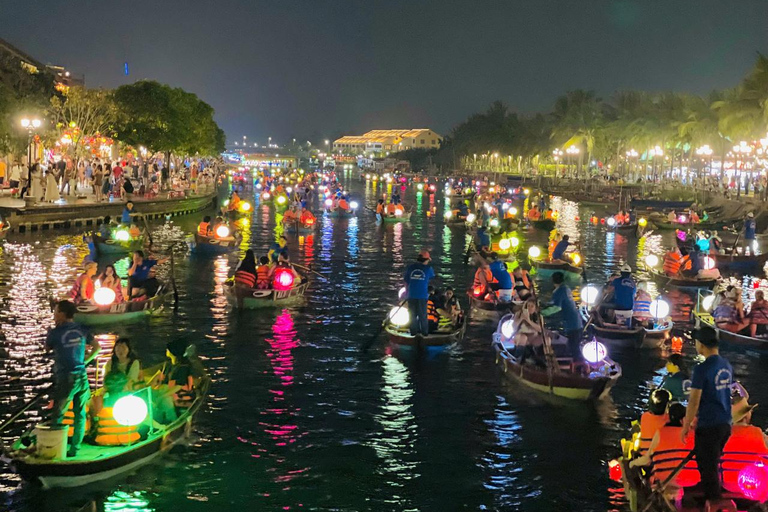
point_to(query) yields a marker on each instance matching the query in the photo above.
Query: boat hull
(211, 245)
(123, 312)
(434, 340)
(551, 268)
(740, 263)
(106, 247)
(545, 224)
(757, 346)
(248, 298)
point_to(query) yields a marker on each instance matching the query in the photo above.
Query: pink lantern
(753, 482)
(283, 279)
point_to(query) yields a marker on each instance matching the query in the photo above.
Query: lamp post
(557, 155)
(705, 152)
(31, 125)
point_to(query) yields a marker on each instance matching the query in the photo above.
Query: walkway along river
(300, 419)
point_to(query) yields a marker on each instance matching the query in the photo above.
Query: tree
(745, 113)
(578, 116)
(81, 115)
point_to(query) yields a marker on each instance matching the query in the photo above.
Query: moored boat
(544, 224)
(557, 266)
(735, 262)
(101, 246)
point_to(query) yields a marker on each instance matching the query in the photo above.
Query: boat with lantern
(702, 315)
(562, 377)
(739, 263)
(222, 242)
(107, 311)
(550, 267)
(705, 281)
(397, 323)
(397, 217)
(38, 455)
(622, 336)
(121, 242)
(302, 228)
(489, 306)
(287, 292)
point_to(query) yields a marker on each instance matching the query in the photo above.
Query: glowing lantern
(602, 221)
(513, 210)
(526, 191)
(589, 294)
(651, 260)
(289, 189)
(225, 203)
(432, 188)
(367, 176)
(471, 218)
(677, 344)
(642, 222)
(222, 231)
(245, 207)
(354, 205)
(504, 244)
(709, 263)
(707, 302)
(447, 192)
(328, 203)
(266, 196)
(494, 223)
(478, 290)
(614, 470)
(104, 296)
(129, 410)
(753, 482)
(467, 190)
(398, 213)
(505, 206)
(281, 200)
(659, 309)
(508, 329)
(576, 258)
(420, 187)
(682, 219)
(122, 235)
(534, 252)
(611, 222)
(594, 351)
(258, 186)
(283, 279)
(514, 241)
(399, 316)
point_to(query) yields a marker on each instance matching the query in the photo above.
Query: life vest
(399, 207)
(390, 209)
(669, 453)
(672, 263)
(69, 419)
(74, 293)
(745, 446)
(432, 315)
(649, 425)
(534, 214)
(262, 274)
(245, 278)
(642, 307)
(478, 283)
(343, 204)
(110, 433)
(379, 208)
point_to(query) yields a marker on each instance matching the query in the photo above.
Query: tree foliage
(83, 114)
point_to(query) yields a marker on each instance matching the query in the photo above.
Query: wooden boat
(563, 381)
(740, 263)
(96, 463)
(401, 337)
(405, 217)
(616, 335)
(559, 266)
(299, 227)
(703, 319)
(655, 336)
(491, 306)
(121, 312)
(338, 213)
(627, 229)
(685, 282)
(252, 298)
(212, 245)
(545, 224)
(666, 225)
(107, 246)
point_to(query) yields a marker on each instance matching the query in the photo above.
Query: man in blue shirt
(750, 227)
(139, 271)
(560, 248)
(503, 280)
(68, 342)
(483, 240)
(572, 322)
(417, 277)
(127, 211)
(710, 402)
(623, 289)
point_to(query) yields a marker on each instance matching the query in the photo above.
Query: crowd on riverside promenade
(102, 179)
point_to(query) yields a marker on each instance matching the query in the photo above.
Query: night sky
(318, 68)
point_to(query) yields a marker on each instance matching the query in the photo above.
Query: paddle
(24, 408)
(367, 345)
(173, 281)
(149, 232)
(302, 267)
(548, 352)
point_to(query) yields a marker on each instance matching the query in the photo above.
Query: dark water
(300, 419)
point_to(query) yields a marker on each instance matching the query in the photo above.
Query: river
(300, 419)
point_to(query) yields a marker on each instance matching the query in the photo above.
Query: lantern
(614, 470)
(534, 252)
(576, 258)
(354, 205)
(589, 294)
(611, 222)
(651, 260)
(328, 203)
(245, 207)
(709, 263)
(494, 223)
(266, 196)
(659, 309)
(508, 329)
(514, 241)
(398, 212)
(504, 244)
(222, 231)
(122, 235)
(104, 296)
(283, 279)
(642, 222)
(707, 302)
(281, 200)
(594, 351)
(420, 187)
(471, 218)
(401, 293)
(753, 482)
(447, 192)
(448, 215)
(399, 316)
(526, 192)
(129, 410)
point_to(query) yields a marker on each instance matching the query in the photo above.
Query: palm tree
(577, 118)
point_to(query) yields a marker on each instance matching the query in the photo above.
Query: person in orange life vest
(534, 213)
(380, 207)
(747, 444)
(548, 214)
(135, 230)
(204, 228)
(82, 290)
(245, 273)
(667, 450)
(481, 286)
(343, 204)
(234, 202)
(173, 384)
(654, 418)
(290, 215)
(306, 217)
(673, 262)
(390, 209)
(263, 274)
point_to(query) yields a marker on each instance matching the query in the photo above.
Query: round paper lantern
(659, 309)
(594, 351)
(504, 244)
(753, 482)
(399, 316)
(129, 410)
(222, 231)
(534, 252)
(508, 329)
(589, 294)
(651, 260)
(104, 296)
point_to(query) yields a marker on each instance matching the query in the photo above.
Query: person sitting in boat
(534, 214)
(148, 288)
(83, 288)
(344, 204)
(672, 216)
(522, 286)
(173, 384)
(204, 228)
(110, 279)
(758, 314)
(395, 197)
(391, 209)
(747, 443)
(674, 261)
(716, 244)
(124, 360)
(694, 217)
(621, 293)
(433, 314)
(481, 286)
(667, 450)
(642, 307)
(278, 247)
(245, 273)
(729, 312)
(678, 380)
(290, 216)
(140, 271)
(483, 240)
(451, 308)
(548, 215)
(462, 210)
(234, 202)
(501, 277)
(399, 208)
(558, 253)
(697, 263)
(654, 418)
(573, 324)
(105, 230)
(529, 341)
(306, 218)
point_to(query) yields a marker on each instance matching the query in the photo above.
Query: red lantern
(478, 290)
(614, 470)
(753, 482)
(602, 221)
(283, 279)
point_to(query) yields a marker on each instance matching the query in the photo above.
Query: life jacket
(478, 283)
(524, 280)
(245, 278)
(343, 204)
(390, 209)
(432, 315)
(649, 425)
(69, 419)
(110, 433)
(262, 274)
(672, 263)
(534, 214)
(379, 208)
(134, 231)
(745, 447)
(669, 453)
(399, 207)
(642, 307)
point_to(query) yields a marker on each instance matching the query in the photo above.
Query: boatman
(572, 323)
(277, 248)
(710, 404)
(127, 211)
(417, 277)
(623, 290)
(72, 350)
(503, 281)
(560, 248)
(750, 227)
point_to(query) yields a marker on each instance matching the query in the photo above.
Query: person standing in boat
(622, 292)
(572, 322)
(73, 348)
(417, 277)
(750, 227)
(710, 405)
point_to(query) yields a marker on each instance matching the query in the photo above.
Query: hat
(706, 337)
(750, 215)
(424, 255)
(626, 268)
(741, 408)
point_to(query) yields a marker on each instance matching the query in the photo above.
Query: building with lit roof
(389, 141)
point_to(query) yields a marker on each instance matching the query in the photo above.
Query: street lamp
(31, 125)
(706, 152)
(572, 151)
(557, 154)
(657, 151)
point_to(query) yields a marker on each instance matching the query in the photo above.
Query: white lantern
(471, 218)
(659, 309)
(504, 244)
(354, 205)
(508, 329)
(589, 294)
(534, 251)
(709, 263)
(222, 231)
(610, 221)
(494, 223)
(651, 260)
(594, 351)
(707, 302)
(104, 296)
(399, 316)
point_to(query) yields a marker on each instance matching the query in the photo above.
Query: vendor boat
(214, 245)
(564, 379)
(121, 312)
(253, 298)
(95, 463)
(101, 246)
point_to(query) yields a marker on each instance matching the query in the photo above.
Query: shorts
(505, 295)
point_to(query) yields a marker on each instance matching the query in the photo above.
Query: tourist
(125, 361)
(83, 288)
(245, 273)
(72, 350)
(529, 337)
(758, 313)
(110, 279)
(140, 270)
(677, 381)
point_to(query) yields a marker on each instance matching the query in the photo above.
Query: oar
(173, 281)
(149, 232)
(302, 267)
(24, 408)
(368, 344)
(548, 352)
